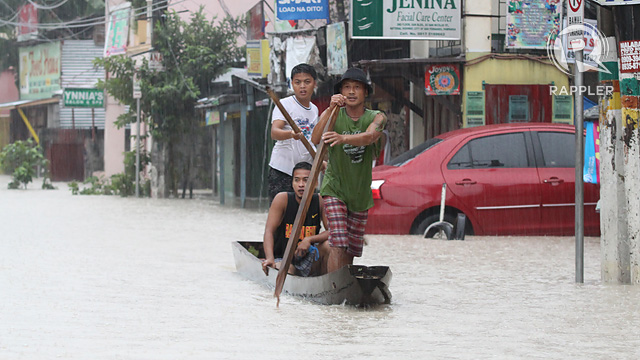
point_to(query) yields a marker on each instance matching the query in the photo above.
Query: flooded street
(102, 277)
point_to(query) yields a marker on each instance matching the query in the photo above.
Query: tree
(193, 54)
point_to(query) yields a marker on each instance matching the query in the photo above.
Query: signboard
(118, 30)
(85, 98)
(28, 16)
(255, 22)
(629, 56)
(337, 60)
(258, 58)
(442, 79)
(402, 19)
(531, 23)
(474, 109)
(212, 117)
(302, 9)
(590, 43)
(562, 109)
(518, 108)
(39, 71)
(575, 17)
(617, 2)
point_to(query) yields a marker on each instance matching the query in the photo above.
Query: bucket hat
(353, 74)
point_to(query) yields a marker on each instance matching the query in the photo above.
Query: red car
(508, 179)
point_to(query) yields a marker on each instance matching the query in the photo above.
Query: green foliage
(21, 159)
(193, 54)
(122, 184)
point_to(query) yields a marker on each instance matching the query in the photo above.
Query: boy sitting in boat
(312, 249)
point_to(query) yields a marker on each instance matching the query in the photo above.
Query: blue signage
(302, 9)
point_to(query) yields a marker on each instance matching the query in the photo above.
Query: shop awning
(28, 103)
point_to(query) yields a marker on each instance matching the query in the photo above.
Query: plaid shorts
(278, 182)
(346, 228)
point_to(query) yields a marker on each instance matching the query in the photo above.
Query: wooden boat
(352, 284)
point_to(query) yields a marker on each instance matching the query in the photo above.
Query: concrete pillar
(477, 26)
(113, 138)
(614, 245)
(419, 50)
(627, 29)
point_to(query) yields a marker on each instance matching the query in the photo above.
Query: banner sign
(302, 9)
(442, 79)
(86, 98)
(28, 22)
(590, 43)
(337, 62)
(258, 58)
(629, 56)
(255, 22)
(39, 71)
(402, 19)
(617, 2)
(531, 23)
(118, 30)
(591, 173)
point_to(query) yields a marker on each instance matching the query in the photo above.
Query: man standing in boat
(312, 250)
(346, 186)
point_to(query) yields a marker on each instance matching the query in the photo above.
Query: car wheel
(433, 232)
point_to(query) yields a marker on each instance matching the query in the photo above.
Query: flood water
(100, 277)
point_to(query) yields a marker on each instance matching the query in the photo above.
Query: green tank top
(348, 174)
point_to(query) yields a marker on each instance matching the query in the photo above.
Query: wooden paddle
(303, 208)
(292, 123)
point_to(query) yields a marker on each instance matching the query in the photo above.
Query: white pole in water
(442, 196)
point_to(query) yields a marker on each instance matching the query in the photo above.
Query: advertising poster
(401, 19)
(39, 71)
(255, 22)
(258, 58)
(629, 56)
(531, 23)
(337, 61)
(474, 109)
(117, 30)
(442, 79)
(212, 117)
(302, 9)
(28, 22)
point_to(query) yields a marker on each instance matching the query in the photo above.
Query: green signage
(406, 19)
(88, 98)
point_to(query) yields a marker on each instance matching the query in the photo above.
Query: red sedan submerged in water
(508, 179)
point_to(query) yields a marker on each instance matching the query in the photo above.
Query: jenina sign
(406, 19)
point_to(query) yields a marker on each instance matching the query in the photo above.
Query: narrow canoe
(352, 284)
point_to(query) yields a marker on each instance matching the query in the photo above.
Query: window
(411, 154)
(558, 149)
(498, 151)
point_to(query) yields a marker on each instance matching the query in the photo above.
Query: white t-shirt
(287, 153)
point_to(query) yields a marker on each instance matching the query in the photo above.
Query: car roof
(500, 127)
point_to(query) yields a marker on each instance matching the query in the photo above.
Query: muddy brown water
(104, 277)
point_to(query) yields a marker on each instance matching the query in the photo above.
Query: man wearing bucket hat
(346, 186)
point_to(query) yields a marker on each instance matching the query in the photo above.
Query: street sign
(575, 17)
(137, 93)
(87, 98)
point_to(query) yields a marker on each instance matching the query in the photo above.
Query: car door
(494, 176)
(555, 155)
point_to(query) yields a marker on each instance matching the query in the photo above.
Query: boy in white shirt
(288, 149)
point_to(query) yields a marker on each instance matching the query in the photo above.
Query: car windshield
(411, 154)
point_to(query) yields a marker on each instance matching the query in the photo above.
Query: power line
(45, 7)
